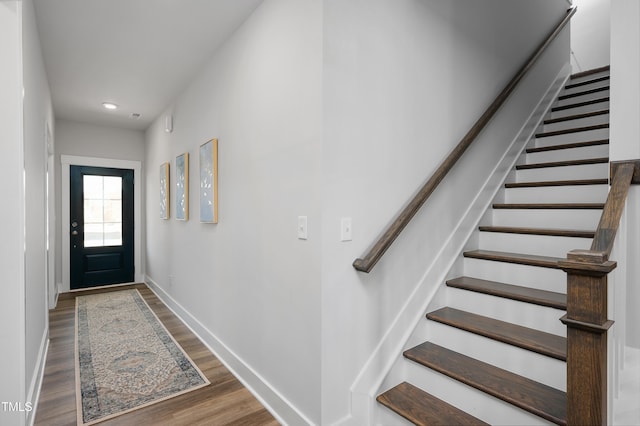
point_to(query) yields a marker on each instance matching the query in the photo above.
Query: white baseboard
(33, 394)
(625, 409)
(382, 360)
(58, 287)
(282, 409)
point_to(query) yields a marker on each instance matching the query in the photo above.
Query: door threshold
(75, 290)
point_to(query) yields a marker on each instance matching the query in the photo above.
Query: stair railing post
(587, 326)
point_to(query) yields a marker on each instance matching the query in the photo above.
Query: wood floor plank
(224, 402)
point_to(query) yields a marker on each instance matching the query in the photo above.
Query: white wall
(25, 107)
(12, 302)
(250, 285)
(403, 82)
(330, 109)
(590, 29)
(89, 140)
(625, 136)
(38, 113)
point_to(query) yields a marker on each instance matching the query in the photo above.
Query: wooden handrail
(621, 178)
(587, 319)
(368, 261)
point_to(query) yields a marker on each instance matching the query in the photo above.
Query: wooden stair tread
(516, 335)
(590, 72)
(576, 116)
(584, 92)
(576, 233)
(568, 146)
(587, 161)
(518, 258)
(568, 206)
(509, 291)
(557, 183)
(572, 130)
(537, 398)
(422, 408)
(580, 104)
(587, 82)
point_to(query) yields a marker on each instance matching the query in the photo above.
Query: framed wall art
(182, 186)
(209, 181)
(164, 191)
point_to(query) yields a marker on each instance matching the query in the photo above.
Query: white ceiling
(138, 54)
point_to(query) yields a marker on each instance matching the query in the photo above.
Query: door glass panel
(93, 211)
(112, 188)
(102, 210)
(93, 235)
(112, 234)
(92, 187)
(113, 211)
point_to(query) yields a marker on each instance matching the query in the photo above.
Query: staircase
(495, 348)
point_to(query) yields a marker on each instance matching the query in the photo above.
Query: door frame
(72, 160)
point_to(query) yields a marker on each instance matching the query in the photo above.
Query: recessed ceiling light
(109, 105)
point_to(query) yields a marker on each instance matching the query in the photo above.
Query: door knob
(74, 232)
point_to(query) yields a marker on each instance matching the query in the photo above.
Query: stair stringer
(388, 353)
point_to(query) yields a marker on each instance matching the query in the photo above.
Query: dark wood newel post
(587, 326)
(586, 319)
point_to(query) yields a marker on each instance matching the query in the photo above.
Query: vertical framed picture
(182, 186)
(209, 181)
(164, 191)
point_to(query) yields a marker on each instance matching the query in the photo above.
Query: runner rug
(125, 358)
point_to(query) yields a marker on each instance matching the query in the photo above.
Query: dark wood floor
(224, 402)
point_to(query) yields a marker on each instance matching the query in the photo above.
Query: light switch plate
(345, 229)
(302, 227)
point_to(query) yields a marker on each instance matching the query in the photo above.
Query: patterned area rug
(125, 358)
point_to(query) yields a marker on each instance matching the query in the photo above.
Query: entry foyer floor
(224, 402)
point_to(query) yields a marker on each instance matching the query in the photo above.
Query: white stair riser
(552, 372)
(578, 122)
(582, 88)
(387, 417)
(595, 151)
(584, 171)
(475, 402)
(511, 273)
(541, 245)
(551, 218)
(579, 110)
(558, 194)
(590, 135)
(521, 313)
(582, 98)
